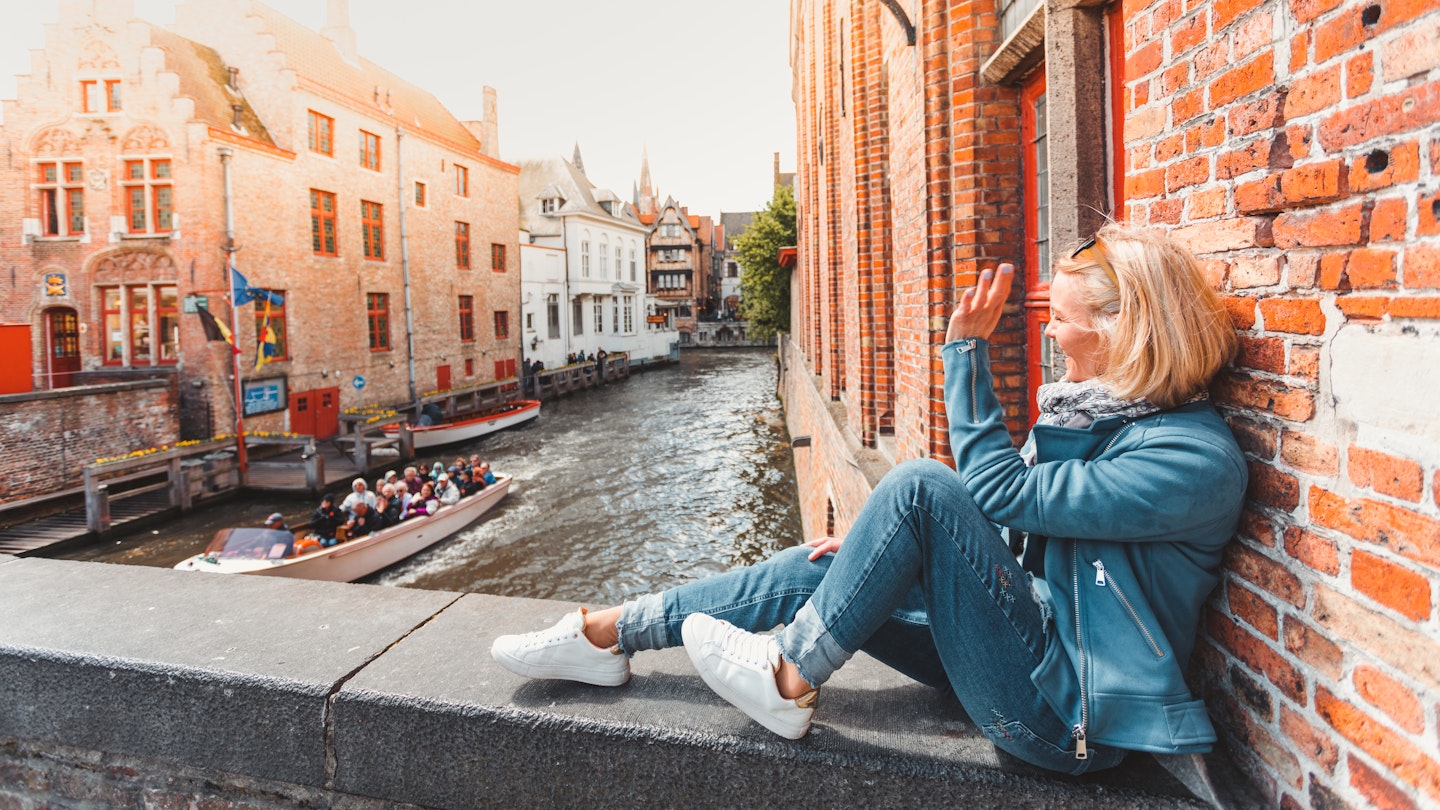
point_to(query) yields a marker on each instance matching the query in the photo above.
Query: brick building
(345, 181)
(1294, 146)
(679, 257)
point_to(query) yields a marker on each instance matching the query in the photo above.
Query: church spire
(579, 164)
(645, 186)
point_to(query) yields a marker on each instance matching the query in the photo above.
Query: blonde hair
(1164, 333)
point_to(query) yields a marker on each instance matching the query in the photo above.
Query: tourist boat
(471, 427)
(263, 551)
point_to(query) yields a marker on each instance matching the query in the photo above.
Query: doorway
(62, 347)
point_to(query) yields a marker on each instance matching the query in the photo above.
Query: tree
(764, 284)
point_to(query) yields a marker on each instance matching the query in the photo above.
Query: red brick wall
(1294, 146)
(1301, 167)
(64, 430)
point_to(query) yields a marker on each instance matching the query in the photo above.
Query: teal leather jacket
(1127, 523)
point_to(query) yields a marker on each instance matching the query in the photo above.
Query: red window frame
(419, 194)
(278, 323)
(107, 94)
(502, 324)
(505, 369)
(167, 324)
(497, 257)
(321, 134)
(149, 196)
(462, 245)
(324, 240)
(110, 313)
(469, 367)
(462, 181)
(1037, 285)
(62, 197)
(467, 319)
(377, 315)
(370, 150)
(372, 227)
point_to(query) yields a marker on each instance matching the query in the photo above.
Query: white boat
(488, 421)
(264, 551)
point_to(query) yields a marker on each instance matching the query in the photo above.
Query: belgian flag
(214, 329)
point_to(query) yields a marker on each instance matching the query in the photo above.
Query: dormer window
(549, 205)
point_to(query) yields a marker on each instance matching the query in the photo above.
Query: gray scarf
(1081, 404)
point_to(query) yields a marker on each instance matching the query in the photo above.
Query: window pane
(114, 100)
(139, 326)
(162, 169)
(163, 208)
(137, 208)
(77, 210)
(73, 172)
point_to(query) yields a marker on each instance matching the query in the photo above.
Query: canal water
(669, 476)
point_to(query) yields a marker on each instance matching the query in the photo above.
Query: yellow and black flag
(214, 329)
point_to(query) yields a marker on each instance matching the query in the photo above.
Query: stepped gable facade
(1293, 146)
(114, 215)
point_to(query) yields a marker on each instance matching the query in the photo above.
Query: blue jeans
(925, 584)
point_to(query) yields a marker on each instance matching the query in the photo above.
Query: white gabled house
(582, 270)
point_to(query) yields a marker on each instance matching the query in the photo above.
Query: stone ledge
(391, 694)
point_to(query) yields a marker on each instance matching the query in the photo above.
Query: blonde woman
(1069, 657)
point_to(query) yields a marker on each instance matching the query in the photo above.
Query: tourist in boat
(390, 507)
(445, 490)
(423, 503)
(412, 479)
(363, 520)
(468, 484)
(436, 470)
(359, 492)
(1129, 490)
(276, 522)
(485, 474)
(325, 518)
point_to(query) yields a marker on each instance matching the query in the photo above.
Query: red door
(315, 413)
(62, 346)
(302, 413)
(442, 378)
(1034, 138)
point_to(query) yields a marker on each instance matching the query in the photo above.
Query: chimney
(236, 110)
(490, 143)
(234, 78)
(776, 174)
(337, 29)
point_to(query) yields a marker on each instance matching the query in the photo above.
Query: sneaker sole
(777, 725)
(558, 673)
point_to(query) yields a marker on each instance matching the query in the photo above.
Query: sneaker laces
(748, 648)
(569, 627)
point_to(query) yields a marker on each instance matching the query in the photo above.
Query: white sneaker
(562, 652)
(740, 666)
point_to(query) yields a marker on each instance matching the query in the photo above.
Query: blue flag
(244, 293)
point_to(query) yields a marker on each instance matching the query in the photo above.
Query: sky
(703, 86)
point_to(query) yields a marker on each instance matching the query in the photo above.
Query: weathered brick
(1256, 526)
(1307, 10)
(1313, 550)
(1370, 268)
(1406, 532)
(1266, 112)
(1225, 234)
(1285, 401)
(1384, 167)
(1344, 225)
(1300, 316)
(1332, 270)
(1270, 575)
(1309, 741)
(1249, 78)
(1385, 473)
(1395, 699)
(1394, 586)
(1190, 172)
(1305, 363)
(1411, 109)
(1387, 219)
(1315, 183)
(1359, 74)
(1206, 204)
(1408, 651)
(1413, 52)
(1378, 790)
(1340, 34)
(1318, 91)
(1422, 266)
(1257, 655)
(1312, 647)
(1398, 755)
(1255, 271)
(1254, 610)
(1308, 453)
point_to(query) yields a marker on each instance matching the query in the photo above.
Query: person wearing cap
(446, 490)
(360, 493)
(276, 522)
(469, 484)
(436, 471)
(325, 518)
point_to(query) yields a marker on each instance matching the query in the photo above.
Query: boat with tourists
(281, 553)
(491, 419)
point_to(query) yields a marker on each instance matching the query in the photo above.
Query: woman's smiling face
(1070, 328)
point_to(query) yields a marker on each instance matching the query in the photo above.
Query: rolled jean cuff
(807, 644)
(642, 624)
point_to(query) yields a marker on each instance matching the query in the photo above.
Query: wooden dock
(69, 526)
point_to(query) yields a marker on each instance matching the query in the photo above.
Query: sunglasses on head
(1097, 251)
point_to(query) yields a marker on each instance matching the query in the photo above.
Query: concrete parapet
(387, 693)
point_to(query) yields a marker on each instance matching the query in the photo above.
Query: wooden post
(314, 467)
(97, 508)
(179, 490)
(362, 450)
(407, 442)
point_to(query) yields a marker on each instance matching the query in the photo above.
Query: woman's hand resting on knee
(823, 545)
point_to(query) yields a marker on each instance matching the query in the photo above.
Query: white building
(582, 269)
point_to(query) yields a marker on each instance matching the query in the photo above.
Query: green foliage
(764, 284)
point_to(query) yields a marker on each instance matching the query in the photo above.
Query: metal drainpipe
(405, 268)
(241, 458)
(566, 326)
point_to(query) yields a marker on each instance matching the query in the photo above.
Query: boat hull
(353, 559)
(437, 435)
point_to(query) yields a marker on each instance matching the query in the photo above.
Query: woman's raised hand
(979, 310)
(823, 545)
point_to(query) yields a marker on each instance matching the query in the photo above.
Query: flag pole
(240, 456)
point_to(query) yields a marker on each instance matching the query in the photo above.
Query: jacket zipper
(1079, 729)
(1116, 437)
(974, 372)
(1103, 581)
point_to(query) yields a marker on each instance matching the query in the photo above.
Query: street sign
(190, 302)
(358, 382)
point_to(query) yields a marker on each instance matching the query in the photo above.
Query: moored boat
(490, 420)
(264, 551)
